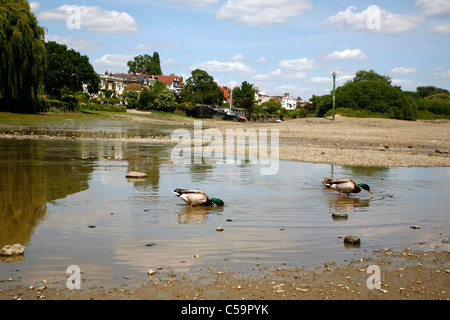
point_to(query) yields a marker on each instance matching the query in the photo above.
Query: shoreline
(403, 275)
(369, 142)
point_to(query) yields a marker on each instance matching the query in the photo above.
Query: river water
(69, 202)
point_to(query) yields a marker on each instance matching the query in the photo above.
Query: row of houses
(121, 82)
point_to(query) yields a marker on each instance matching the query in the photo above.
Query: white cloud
(76, 43)
(263, 12)
(298, 64)
(35, 6)
(347, 54)
(262, 60)
(94, 19)
(433, 7)
(235, 68)
(376, 20)
(239, 57)
(441, 29)
(116, 63)
(402, 71)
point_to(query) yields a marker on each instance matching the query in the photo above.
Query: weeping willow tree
(22, 57)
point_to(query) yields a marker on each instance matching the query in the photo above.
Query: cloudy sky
(279, 46)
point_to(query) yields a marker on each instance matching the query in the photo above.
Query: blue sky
(279, 46)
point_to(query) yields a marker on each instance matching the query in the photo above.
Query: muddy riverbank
(344, 141)
(404, 275)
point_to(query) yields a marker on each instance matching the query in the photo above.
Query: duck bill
(370, 191)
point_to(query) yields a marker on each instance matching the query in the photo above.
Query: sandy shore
(345, 141)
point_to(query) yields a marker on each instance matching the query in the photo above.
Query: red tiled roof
(165, 79)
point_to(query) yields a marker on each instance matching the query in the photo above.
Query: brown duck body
(345, 186)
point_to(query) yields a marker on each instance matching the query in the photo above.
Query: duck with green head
(196, 198)
(345, 186)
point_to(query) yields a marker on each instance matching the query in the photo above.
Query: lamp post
(334, 91)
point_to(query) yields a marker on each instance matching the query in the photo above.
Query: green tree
(22, 56)
(145, 99)
(372, 92)
(165, 101)
(272, 107)
(425, 91)
(371, 75)
(244, 95)
(201, 88)
(68, 68)
(151, 65)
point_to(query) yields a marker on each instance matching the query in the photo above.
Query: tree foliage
(68, 68)
(22, 56)
(244, 95)
(372, 94)
(371, 75)
(151, 65)
(201, 88)
(426, 91)
(158, 97)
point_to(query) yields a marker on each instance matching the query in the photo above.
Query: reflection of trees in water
(33, 173)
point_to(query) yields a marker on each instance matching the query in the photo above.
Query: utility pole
(334, 92)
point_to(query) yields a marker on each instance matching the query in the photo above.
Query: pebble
(136, 175)
(151, 272)
(339, 215)
(415, 227)
(352, 240)
(219, 229)
(12, 250)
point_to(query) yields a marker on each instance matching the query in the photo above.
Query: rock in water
(352, 240)
(12, 250)
(136, 175)
(339, 215)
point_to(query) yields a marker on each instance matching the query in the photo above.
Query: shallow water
(69, 203)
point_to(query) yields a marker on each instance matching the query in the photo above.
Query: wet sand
(346, 141)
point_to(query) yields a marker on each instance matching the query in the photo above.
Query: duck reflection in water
(348, 204)
(196, 215)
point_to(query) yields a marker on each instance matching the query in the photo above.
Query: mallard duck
(196, 198)
(345, 186)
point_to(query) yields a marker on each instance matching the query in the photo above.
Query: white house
(287, 102)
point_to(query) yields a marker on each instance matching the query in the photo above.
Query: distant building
(261, 97)
(173, 82)
(119, 82)
(227, 95)
(287, 102)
